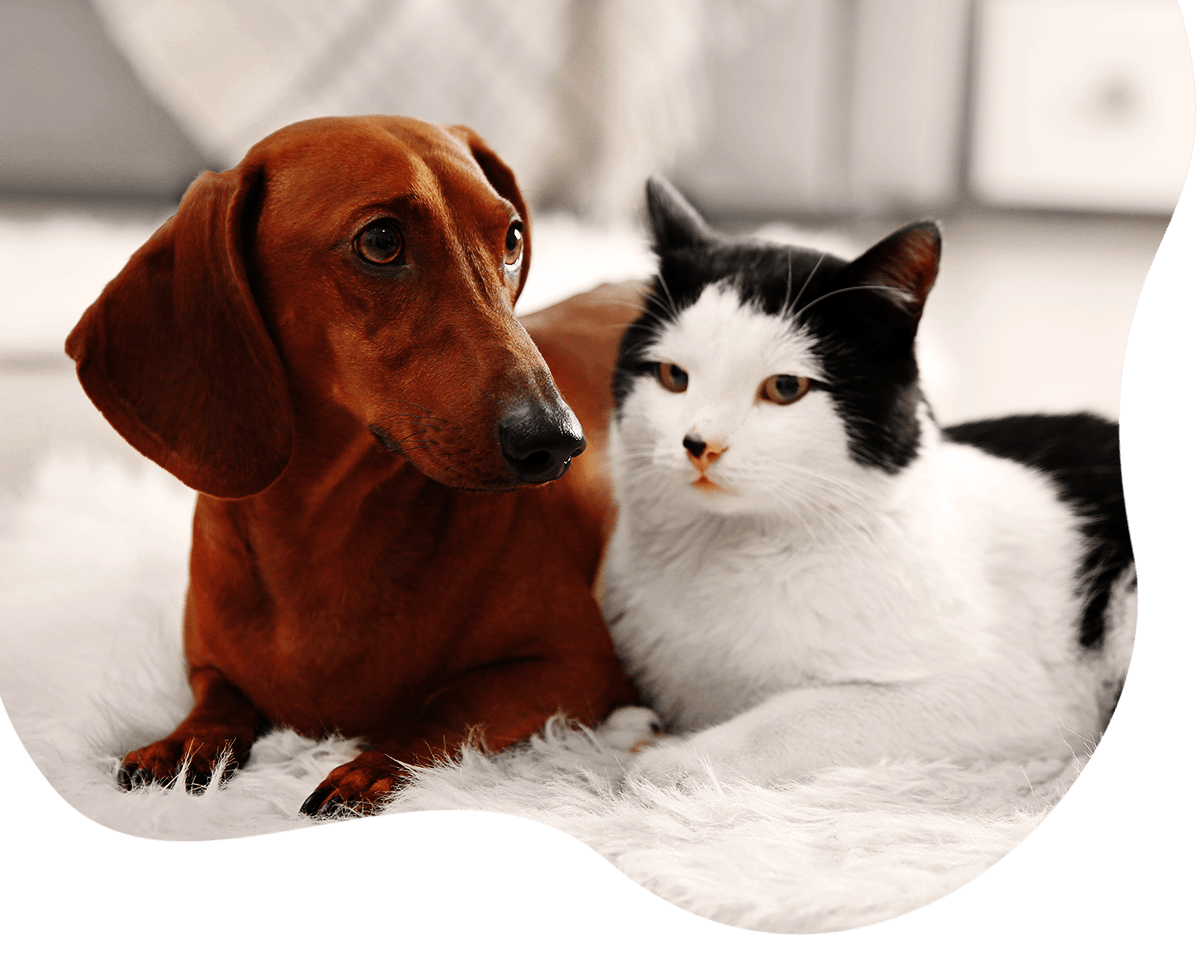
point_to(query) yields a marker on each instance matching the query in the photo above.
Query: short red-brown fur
(337, 587)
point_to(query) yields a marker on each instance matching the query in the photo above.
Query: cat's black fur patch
(1080, 453)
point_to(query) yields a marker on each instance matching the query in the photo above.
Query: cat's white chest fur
(716, 615)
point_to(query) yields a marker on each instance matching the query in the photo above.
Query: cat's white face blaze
(714, 440)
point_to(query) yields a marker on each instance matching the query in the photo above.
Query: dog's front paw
(358, 788)
(198, 758)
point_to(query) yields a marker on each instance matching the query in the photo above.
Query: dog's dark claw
(130, 776)
(324, 804)
(360, 788)
(197, 781)
(316, 800)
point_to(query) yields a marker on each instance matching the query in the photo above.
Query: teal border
(1111, 873)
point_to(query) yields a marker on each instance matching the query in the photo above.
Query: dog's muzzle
(538, 441)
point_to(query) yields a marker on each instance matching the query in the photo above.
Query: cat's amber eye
(673, 377)
(783, 388)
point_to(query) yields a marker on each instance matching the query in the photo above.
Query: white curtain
(583, 98)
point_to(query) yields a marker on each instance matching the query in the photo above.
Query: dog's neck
(337, 483)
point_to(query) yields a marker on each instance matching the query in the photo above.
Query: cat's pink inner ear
(907, 261)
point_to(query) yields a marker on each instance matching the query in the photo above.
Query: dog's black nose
(539, 440)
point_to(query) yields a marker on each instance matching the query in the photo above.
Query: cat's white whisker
(663, 318)
(789, 304)
(802, 479)
(896, 292)
(667, 291)
(823, 520)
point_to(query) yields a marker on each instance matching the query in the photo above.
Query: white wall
(73, 120)
(837, 105)
(1085, 104)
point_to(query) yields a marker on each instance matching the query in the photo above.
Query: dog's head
(361, 270)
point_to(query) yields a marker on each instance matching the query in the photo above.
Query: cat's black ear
(905, 262)
(675, 224)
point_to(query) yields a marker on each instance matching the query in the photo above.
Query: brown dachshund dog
(322, 343)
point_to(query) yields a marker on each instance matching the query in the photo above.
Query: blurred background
(1050, 137)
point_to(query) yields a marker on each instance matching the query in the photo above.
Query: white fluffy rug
(92, 572)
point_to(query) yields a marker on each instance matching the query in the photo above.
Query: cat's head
(761, 370)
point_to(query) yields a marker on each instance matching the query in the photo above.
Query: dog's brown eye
(783, 388)
(380, 242)
(514, 243)
(672, 377)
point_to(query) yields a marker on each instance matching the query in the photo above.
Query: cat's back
(1079, 454)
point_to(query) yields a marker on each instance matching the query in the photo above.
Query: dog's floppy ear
(502, 180)
(175, 354)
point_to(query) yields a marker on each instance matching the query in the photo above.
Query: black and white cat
(806, 569)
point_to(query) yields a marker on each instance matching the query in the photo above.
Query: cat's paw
(630, 729)
(673, 765)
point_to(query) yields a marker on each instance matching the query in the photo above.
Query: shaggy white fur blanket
(93, 570)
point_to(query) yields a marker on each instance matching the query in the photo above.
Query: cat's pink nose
(702, 452)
